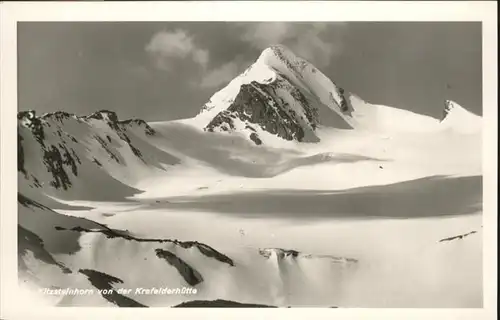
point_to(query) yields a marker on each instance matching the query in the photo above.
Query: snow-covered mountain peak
(275, 62)
(283, 95)
(448, 106)
(29, 115)
(106, 115)
(282, 59)
(29, 119)
(451, 108)
(306, 76)
(459, 119)
(63, 154)
(280, 94)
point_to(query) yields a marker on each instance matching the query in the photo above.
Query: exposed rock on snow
(219, 303)
(280, 254)
(28, 241)
(39, 220)
(104, 282)
(258, 104)
(58, 228)
(79, 151)
(268, 96)
(189, 274)
(203, 248)
(457, 118)
(459, 237)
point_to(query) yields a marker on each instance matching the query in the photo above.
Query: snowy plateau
(285, 190)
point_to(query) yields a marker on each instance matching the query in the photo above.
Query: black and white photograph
(249, 164)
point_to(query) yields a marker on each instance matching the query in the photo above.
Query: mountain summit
(459, 119)
(280, 94)
(285, 96)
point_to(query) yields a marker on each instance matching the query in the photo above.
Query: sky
(167, 70)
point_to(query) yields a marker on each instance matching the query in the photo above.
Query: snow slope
(391, 230)
(285, 190)
(59, 250)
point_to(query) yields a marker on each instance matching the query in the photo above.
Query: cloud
(225, 72)
(176, 49)
(262, 34)
(168, 47)
(317, 42)
(220, 75)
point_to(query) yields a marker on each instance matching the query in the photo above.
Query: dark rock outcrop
(344, 106)
(104, 145)
(34, 124)
(259, 104)
(59, 155)
(59, 116)
(203, 248)
(141, 123)
(293, 254)
(103, 281)
(20, 155)
(103, 114)
(27, 241)
(255, 138)
(219, 303)
(281, 253)
(190, 275)
(459, 237)
(448, 106)
(27, 202)
(287, 104)
(55, 160)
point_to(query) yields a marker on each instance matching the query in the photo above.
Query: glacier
(284, 190)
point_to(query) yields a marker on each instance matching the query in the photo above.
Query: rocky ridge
(55, 149)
